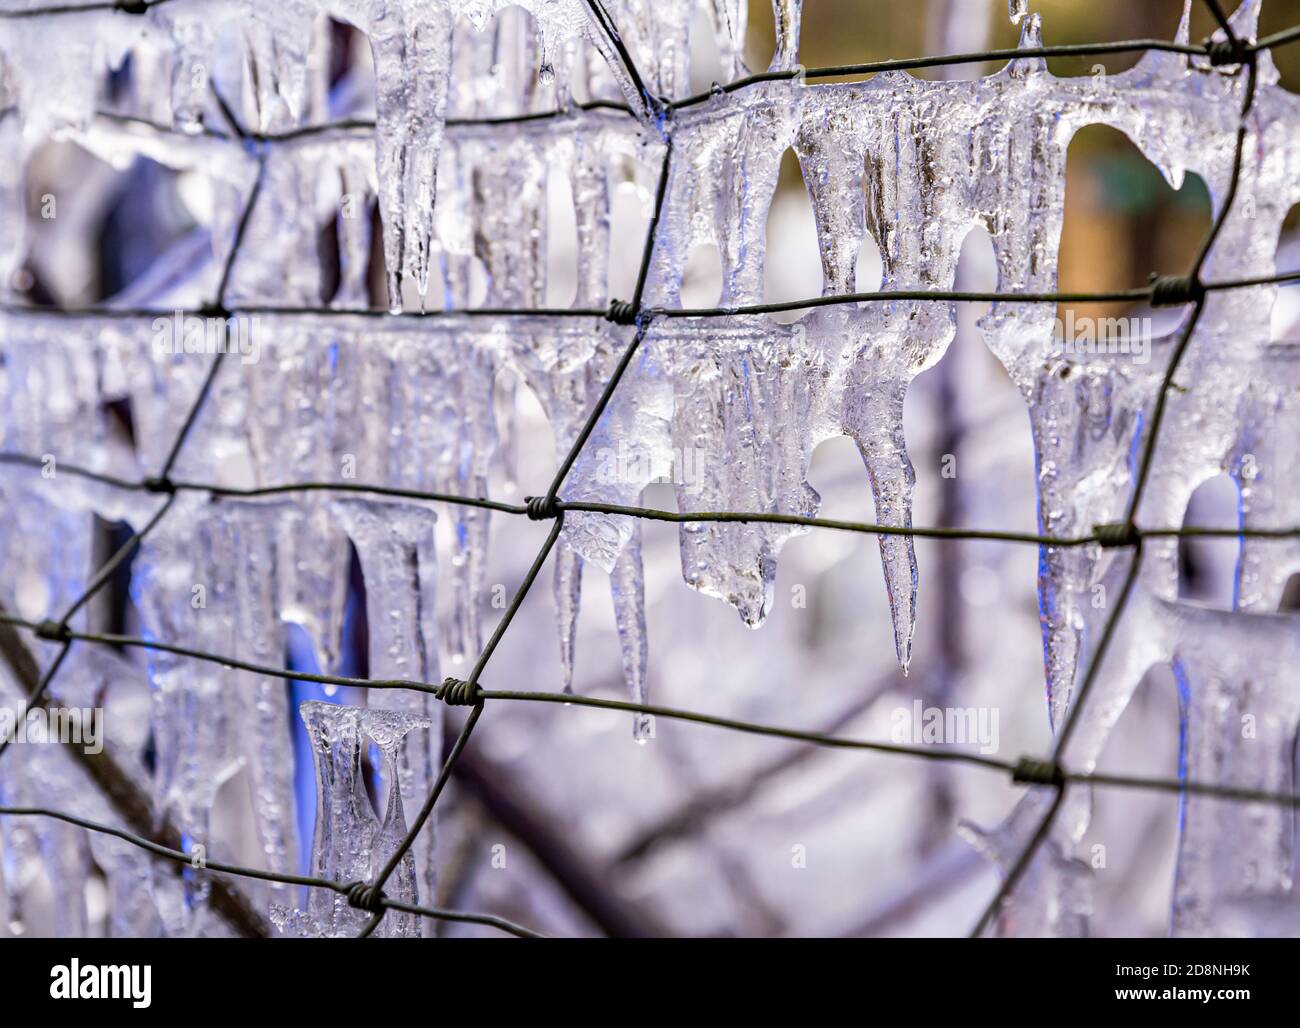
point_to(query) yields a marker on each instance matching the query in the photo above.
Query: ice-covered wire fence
(1229, 52)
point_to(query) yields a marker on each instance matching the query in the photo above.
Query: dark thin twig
(130, 802)
(38, 694)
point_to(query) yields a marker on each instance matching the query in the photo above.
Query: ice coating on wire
(754, 396)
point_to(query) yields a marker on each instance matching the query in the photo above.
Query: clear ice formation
(1057, 886)
(411, 43)
(352, 842)
(210, 578)
(742, 401)
(394, 542)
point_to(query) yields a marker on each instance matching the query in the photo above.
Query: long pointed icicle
(411, 44)
(568, 601)
(627, 585)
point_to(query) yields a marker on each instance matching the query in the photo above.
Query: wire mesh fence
(1224, 52)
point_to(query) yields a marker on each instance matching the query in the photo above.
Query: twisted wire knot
(215, 310)
(158, 484)
(1117, 535)
(133, 6)
(364, 896)
(1222, 52)
(1175, 290)
(1036, 771)
(53, 631)
(456, 692)
(542, 508)
(621, 312)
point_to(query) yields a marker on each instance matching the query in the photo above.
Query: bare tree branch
(127, 799)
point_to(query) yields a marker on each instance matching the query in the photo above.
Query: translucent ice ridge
(427, 55)
(730, 408)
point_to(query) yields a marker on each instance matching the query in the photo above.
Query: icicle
(353, 225)
(54, 67)
(730, 19)
(473, 380)
(1240, 718)
(589, 177)
(915, 164)
(53, 400)
(568, 596)
(786, 15)
(550, 37)
(627, 586)
(351, 843)
(192, 44)
(411, 44)
(395, 543)
(133, 913)
(278, 36)
(1031, 38)
(19, 865)
(1184, 32)
(312, 570)
(510, 221)
(279, 257)
(1236, 672)
(184, 591)
(1264, 464)
(630, 445)
(13, 209)
(65, 857)
(1017, 10)
(507, 415)
(260, 639)
(744, 463)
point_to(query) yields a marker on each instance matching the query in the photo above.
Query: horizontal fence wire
(1168, 291)
(1102, 535)
(444, 691)
(1190, 290)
